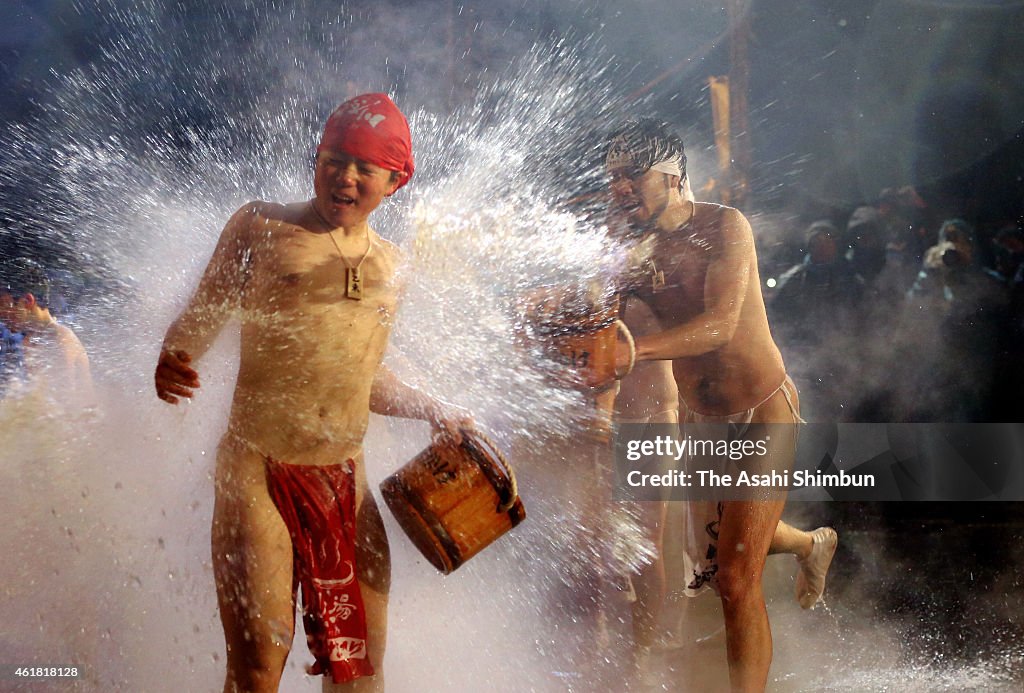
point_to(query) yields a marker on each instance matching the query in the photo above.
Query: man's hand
(624, 358)
(449, 420)
(174, 377)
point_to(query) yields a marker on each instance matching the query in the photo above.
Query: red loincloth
(317, 504)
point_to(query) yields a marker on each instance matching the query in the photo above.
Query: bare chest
(674, 285)
(302, 278)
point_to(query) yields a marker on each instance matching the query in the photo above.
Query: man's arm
(78, 365)
(391, 397)
(725, 289)
(216, 298)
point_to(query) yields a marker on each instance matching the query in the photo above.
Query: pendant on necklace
(353, 283)
(657, 276)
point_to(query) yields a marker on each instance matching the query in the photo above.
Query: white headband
(673, 166)
(620, 157)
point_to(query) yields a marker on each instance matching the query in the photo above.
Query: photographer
(955, 309)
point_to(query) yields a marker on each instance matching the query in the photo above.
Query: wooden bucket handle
(475, 436)
(631, 343)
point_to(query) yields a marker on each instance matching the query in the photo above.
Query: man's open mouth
(342, 200)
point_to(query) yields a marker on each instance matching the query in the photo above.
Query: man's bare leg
(252, 565)
(649, 582)
(747, 531)
(745, 534)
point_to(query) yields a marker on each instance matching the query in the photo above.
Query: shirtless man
(647, 395)
(315, 287)
(55, 363)
(703, 289)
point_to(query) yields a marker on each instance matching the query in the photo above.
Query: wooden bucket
(583, 336)
(590, 351)
(586, 343)
(453, 501)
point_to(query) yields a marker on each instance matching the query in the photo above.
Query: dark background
(846, 97)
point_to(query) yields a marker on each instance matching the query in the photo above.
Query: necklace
(661, 277)
(353, 275)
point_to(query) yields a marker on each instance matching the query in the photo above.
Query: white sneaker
(810, 581)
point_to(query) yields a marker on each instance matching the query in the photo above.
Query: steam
(125, 171)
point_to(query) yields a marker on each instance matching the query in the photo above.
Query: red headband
(370, 127)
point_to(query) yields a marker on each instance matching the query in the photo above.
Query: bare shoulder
(387, 246)
(67, 337)
(390, 262)
(711, 213)
(722, 222)
(258, 220)
(244, 219)
(389, 251)
(262, 213)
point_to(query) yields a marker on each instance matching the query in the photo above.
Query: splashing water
(126, 172)
(134, 165)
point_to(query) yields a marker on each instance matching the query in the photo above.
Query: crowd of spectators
(895, 316)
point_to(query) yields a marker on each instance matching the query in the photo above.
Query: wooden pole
(450, 51)
(718, 86)
(739, 83)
